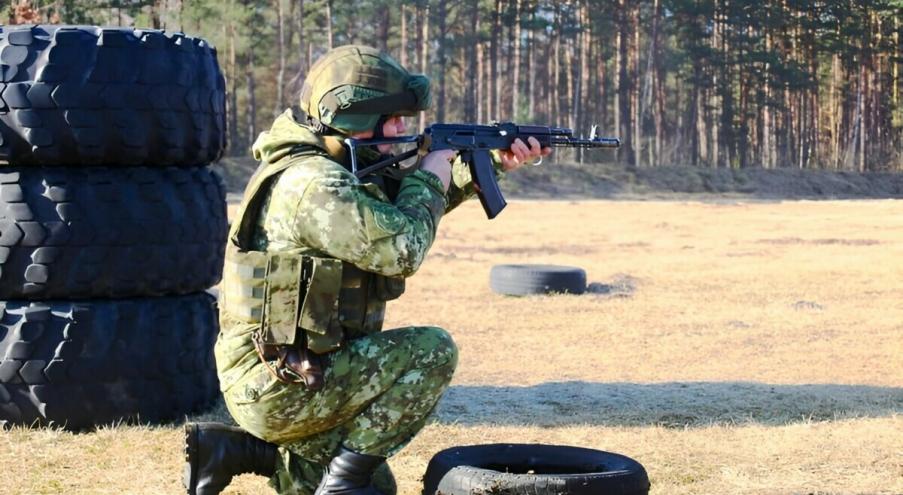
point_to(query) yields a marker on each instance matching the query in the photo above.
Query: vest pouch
(389, 288)
(282, 293)
(320, 306)
(244, 281)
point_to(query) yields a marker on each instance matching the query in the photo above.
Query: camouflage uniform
(379, 387)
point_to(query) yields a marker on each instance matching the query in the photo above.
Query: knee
(438, 347)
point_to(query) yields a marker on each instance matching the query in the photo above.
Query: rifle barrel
(585, 143)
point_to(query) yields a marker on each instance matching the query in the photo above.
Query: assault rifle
(474, 142)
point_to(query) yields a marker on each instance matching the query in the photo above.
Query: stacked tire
(112, 226)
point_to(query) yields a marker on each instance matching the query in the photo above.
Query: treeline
(716, 83)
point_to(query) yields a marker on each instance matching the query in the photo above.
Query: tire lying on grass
(522, 280)
(80, 233)
(517, 469)
(82, 363)
(108, 96)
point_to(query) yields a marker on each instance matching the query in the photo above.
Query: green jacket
(311, 205)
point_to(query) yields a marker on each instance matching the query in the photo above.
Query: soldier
(313, 256)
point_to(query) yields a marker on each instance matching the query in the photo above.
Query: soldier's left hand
(520, 154)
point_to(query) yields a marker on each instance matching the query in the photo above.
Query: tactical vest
(297, 299)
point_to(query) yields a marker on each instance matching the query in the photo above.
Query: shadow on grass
(674, 404)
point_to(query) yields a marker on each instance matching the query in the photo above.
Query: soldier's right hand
(439, 163)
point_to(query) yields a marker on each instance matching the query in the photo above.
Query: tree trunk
(864, 88)
(634, 57)
(424, 53)
(860, 138)
(619, 42)
(531, 68)
(554, 76)
(382, 33)
(155, 9)
(743, 76)
(251, 99)
(600, 114)
(441, 12)
(835, 109)
(728, 144)
(403, 47)
(233, 92)
(582, 102)
(714, 106)
(481, 81)
(515, 71)
(569, 82)
(658, 104)
(470, 102)
(895, 71)
(329, 24)
(280, 50)
(494, 60)
(702, 133)
(290, 28)
(814, 150)
(768, 144)
(625, 87)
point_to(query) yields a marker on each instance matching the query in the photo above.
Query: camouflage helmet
(351, 87)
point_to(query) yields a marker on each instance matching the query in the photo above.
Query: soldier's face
(393, 127)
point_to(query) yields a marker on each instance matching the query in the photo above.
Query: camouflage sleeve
(356, 222)
(461, 188)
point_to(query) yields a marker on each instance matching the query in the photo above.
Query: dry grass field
(732, 348)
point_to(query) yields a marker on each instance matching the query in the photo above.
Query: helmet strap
(318, 127)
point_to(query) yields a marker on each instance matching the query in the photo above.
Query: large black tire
(79, 364)
(74, 233)
(517, 469)
(522, 280)
(83, 95)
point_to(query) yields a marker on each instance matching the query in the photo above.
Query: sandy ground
(732, 348)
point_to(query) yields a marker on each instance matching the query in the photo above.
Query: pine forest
(710, 83)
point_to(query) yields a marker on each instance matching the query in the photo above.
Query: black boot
(214, 453)
(350, 473)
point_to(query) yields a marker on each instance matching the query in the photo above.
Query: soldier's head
(358, 90)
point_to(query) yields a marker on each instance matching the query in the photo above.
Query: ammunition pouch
(303, 306)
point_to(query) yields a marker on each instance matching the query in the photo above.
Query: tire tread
(110, 232)
(84, 95)
(110, 373)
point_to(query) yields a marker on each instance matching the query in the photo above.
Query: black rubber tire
(84, 95)
(85, 363)
(101, 232)
(502, 469)
(522, 280)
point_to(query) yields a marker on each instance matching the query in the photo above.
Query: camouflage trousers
(378, 392)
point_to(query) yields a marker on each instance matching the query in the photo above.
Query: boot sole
(190, 475)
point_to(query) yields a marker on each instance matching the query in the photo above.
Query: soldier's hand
(520, 154)
(439, 163)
